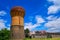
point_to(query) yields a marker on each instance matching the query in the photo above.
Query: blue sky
(39, 14)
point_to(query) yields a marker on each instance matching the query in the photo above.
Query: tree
(27, 32)
(4, 34)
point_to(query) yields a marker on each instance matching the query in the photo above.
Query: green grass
(42, 39)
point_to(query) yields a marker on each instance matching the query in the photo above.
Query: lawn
(42, 39)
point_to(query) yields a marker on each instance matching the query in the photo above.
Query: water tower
(17, 24)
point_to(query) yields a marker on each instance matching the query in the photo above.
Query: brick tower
(17, 24)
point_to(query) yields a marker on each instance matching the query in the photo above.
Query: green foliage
(4, 34)
(27, 33)
(27, 30)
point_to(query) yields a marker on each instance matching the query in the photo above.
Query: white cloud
(51, 18)
(2, 13)
(56, 2)
(2, 24)
(53, 23)
(53, 30)
(31, 26)
(39, 19)
(55, 7)
(53, 26)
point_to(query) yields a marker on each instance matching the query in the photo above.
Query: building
(54, 35)
(43, 34)
(17, 24)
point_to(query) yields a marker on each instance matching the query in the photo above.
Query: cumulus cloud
(55, 7)
(54, 25)
(53, 30)
(56, 2)
(51, 18)
(2, 24)
(39, 19)
(2, 13)
(31, 26)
